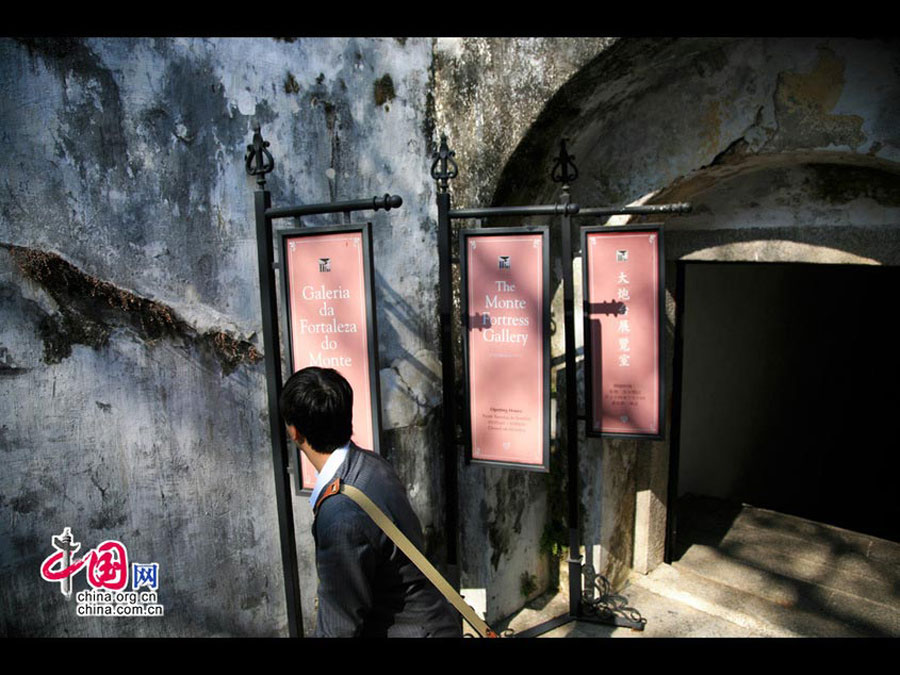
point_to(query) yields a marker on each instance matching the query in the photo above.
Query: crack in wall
(89, 309)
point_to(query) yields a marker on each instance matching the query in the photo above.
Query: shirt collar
(332, 464)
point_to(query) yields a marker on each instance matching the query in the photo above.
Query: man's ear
(294, 434)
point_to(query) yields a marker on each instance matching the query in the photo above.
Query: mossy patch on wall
(89, 309)
(291, 86)
(383, 90)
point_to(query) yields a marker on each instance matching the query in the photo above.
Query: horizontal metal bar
(683, 207)
(545, 627)
(613, 620)
(542, 210)
(387, 203)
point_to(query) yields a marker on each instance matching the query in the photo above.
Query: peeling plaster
(803, 105)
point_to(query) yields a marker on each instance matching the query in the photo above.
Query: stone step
(711, 519)
(666, 615)
(815, 602)
(836, 570)
(754, 615)
(792, 548)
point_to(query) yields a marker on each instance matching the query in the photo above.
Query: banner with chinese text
(331, 318)
(623, 311)
(505, 305)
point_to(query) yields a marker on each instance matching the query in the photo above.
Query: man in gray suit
(367, 586)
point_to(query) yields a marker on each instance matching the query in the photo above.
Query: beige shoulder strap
(419, 560)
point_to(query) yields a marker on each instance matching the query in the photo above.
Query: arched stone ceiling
(654, 119)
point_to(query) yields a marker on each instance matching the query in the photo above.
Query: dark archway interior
(791, 388)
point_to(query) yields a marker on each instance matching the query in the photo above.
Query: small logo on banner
(324, 264)
(622, 255)
(503, 263)
(106, 570)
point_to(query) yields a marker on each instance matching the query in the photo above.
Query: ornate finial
(259, 161)
(444, 157)
(560, 172)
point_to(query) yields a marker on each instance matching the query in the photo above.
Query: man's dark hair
(319, 403)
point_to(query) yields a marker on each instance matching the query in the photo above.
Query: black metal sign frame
(588, 338)
(444, 169)
(464, 235)
(259, 162)
(365, 229)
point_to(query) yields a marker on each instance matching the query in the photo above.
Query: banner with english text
(506, 316)
(328, 287)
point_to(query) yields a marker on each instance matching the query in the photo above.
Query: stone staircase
(780, 575)
(740, 571)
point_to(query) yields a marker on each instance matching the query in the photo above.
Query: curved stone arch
(849, 204)
(811, 202)
(646, 113)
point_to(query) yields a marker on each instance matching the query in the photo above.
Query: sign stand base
(606, 610)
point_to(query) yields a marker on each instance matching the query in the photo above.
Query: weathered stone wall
(489, 95)
(133, 404)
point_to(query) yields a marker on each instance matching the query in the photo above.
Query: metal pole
(443, 169)
(387, 202)
(574, 559)
(536, 210)
(448, 419)
(650, 209)
(565, 172)
(267, 285)
(258, 163)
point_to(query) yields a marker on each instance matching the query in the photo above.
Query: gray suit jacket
(367, 586)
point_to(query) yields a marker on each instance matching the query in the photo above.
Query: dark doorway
(789, 398)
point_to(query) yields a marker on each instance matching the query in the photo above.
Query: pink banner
(505, 305)
(623, 287)
(328, 325)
